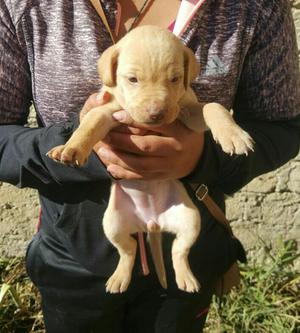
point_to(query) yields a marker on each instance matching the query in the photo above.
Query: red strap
(143, 254)
(38, 225)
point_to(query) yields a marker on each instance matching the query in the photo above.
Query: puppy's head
(149, 70)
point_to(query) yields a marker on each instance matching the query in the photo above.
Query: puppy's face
(150, 84)
(150, 71)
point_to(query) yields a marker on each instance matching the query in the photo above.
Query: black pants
(75, 301)
(145, 308)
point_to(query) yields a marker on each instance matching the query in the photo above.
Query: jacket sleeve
(267, 105)
(23, 160)
(276, 142)
(22, 150)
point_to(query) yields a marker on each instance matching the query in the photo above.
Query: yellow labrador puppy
(148, 73)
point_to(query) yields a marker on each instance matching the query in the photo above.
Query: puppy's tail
(157, 255)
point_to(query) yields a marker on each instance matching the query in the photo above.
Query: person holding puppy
(248, 58)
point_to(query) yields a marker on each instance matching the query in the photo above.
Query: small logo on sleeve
(215, 66)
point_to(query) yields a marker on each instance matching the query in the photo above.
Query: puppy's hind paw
(117, 283)
(187, 282)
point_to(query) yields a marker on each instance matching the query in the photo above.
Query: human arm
(23, 160)
(22, 150)
(276, 142)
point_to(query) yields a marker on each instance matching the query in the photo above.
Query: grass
(19, 300)
(267, 301)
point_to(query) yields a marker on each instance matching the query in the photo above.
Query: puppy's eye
(175, 79)
(132, 79)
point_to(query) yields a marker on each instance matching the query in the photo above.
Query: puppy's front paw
(68, 155)
(234, 140)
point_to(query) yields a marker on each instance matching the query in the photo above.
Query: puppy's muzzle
(156, 112)
(153, 112)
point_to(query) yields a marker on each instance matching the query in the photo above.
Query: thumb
(124, 117)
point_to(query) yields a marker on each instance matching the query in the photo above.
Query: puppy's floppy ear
(191, 67)
(107, 66)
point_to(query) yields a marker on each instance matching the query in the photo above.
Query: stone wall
(265, 211)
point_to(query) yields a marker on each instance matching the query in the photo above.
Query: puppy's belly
(142, 202)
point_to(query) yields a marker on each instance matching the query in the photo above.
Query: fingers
(124, 118)
(162, 140)
(132, 162)
(132, 130)
(120, 173)
(143, 145)
(151, 153)
(130, 156)
(95, 100)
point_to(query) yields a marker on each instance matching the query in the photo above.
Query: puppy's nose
(157, 116)
(156, 111)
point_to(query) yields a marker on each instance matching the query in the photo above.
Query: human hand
(135, 151)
